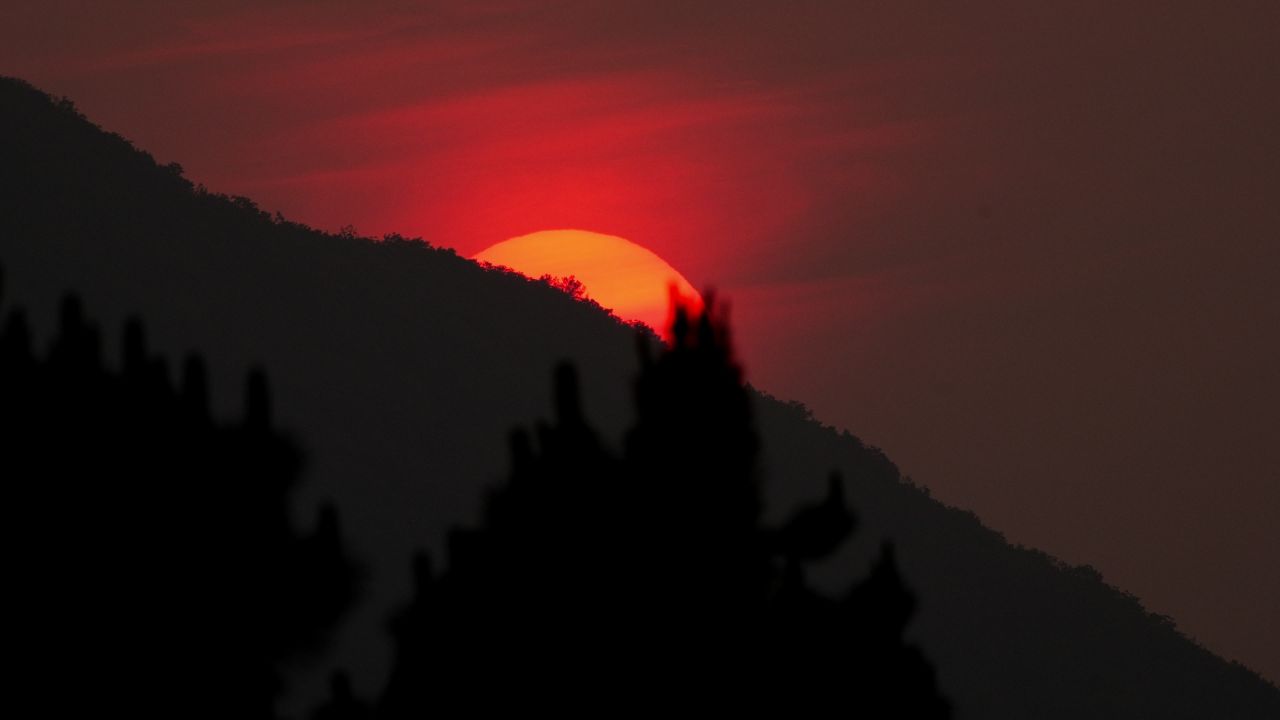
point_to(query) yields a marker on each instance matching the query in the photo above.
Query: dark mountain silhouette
(397, 364)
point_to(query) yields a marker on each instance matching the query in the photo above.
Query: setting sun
(628, 279)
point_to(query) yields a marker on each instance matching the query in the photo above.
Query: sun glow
(630, 280)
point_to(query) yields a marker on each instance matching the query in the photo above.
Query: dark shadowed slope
(400, 367)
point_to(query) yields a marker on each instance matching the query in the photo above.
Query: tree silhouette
(571, 285)
(152, 565)
(600, 582)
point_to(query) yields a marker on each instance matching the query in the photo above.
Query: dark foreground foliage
(160, 571)
(602, 583)
(151, 566)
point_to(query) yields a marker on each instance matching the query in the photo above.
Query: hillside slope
(400, 368)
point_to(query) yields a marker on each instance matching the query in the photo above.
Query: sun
(628, 279)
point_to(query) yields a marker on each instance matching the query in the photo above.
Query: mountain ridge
(408, 413)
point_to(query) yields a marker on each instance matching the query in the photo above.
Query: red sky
(1029, 251)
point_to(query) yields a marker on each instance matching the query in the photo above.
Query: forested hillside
(398, 368)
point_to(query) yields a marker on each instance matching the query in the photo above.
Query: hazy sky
(1030, 251)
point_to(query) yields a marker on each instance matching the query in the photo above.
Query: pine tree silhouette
(152, 566)
(605, 583)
